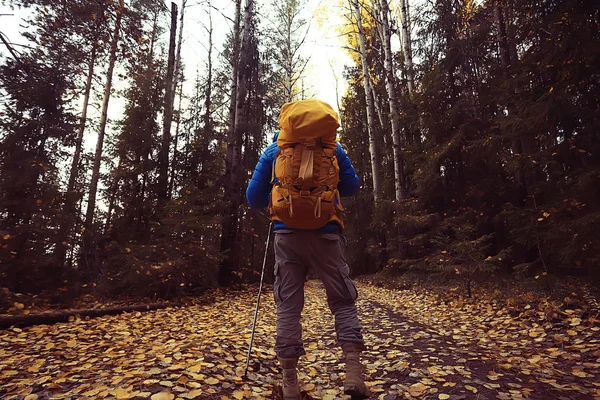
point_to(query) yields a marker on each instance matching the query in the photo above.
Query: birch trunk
(175, 143)
(208, 95)
(373, 145)
(163, 155)
(234, 66)
(377, 105)
(178, 77)
(66, 226)
(103, 118)
(393, 100)
(79, 141)
(177, 73)
(232, 186)
(407, 45)
(147, 144)
(337, 98)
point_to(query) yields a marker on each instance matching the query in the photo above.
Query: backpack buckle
(305, 193)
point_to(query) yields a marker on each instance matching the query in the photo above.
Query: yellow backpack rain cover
(305, 194)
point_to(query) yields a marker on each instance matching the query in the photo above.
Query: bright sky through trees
(322, 45)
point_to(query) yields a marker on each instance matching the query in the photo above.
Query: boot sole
(279, 395)
(355, 393)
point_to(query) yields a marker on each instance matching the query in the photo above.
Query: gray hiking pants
(296, 252)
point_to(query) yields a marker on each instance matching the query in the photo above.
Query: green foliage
(36, 125)
(501, 160)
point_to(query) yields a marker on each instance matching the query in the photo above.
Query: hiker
(302, 177)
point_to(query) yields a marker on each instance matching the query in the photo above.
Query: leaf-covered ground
(419, 347)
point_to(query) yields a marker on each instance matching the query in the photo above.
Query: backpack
(306, 171)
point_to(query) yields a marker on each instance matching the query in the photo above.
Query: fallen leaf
(163, 396)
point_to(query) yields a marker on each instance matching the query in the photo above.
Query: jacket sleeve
(259, 188)
(349, 183)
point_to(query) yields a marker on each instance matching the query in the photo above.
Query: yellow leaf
(162, 396)
(579, 373)
(471, 388)
(127, 249)
(72, 343)
(31, 397)
(417, 389)
(122, 394)
(238, 395)
(443, 396)
(6, 237)
(212, 381)
(193, 394)
(195, 369)
(575, 321)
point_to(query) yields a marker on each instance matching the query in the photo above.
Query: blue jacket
(259, 188)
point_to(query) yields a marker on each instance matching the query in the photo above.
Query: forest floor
(421, 345)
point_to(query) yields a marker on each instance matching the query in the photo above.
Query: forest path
(419, 347)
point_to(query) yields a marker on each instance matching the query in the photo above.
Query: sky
(322, 47)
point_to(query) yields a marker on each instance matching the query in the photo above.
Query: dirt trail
(418, 348)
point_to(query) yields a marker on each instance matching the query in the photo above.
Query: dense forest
(474, 128)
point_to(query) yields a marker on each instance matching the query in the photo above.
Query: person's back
(302, 177)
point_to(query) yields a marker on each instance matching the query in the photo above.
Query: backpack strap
(306, 167)
(273, 167)
(318, 208)
(339, 200)
(273, 172)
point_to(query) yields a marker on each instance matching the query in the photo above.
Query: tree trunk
(163, 155)
(70, 201)
(337, 99)
(66, 316)
(208, 129)
(234, 66)
(373, 145)
(233, 174)
(521, 143)
(394, 106)
(501, 37)
(377, 129)
(177, 73)
(147, 145)
(406, 43)
(176, 80)
(175, 142)
(103, 118)
(79, 141)
(407, 46)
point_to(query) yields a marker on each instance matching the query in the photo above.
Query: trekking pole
(262, 275)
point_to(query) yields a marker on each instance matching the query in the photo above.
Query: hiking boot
(355, 384)
(290, 388)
